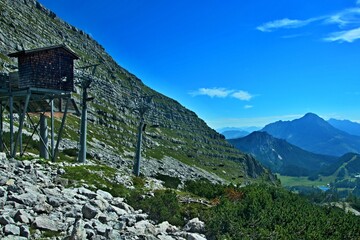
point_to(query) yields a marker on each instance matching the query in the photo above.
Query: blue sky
(234, 63)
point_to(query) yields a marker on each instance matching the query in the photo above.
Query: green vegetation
(139, 182)
(203, 188)
(4, 57)
(46, 234)
(169, 182)
(50, 234)
(97, 177)
(257, 211)
(354, 202)
(269, 212)
(164, 206)
(288, 181)
(342, 177)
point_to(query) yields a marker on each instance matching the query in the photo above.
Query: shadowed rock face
(181, 135)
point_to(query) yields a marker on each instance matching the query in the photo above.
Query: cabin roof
(27, 52)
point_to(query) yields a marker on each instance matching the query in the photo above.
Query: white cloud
(336, 19)
(242, 95)
(348, 20)
(212, 92)
(346, 17)
(223, 93)
(248, 106)
(284, 23)
(344, 36)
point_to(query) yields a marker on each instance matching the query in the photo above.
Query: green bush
(163, 206)
(169, 182)
(267, 212)
(204, 188)
(72, 152)
(139, 182)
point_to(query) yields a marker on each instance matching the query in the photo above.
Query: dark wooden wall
(52, 69)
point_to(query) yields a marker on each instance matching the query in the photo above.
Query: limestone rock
(89, 211)
(144, 227)
(11, 229)
(165, 237)
(42, 208)
(86, 192)
(118, 211)
(165, 227)
(2, 154)
(2, 191)
(104, 194)
(25, 231)
(21, 216)
(6, 219)
(78, 232)
(195, 226)
(195, 236)
(12, 238)
(100, 203)
(45, 223)
(28, 199)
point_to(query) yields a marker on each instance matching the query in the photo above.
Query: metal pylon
(145, 105)
(85, 85)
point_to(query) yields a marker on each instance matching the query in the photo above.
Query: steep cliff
(180, 135)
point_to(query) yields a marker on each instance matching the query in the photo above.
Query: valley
(302, 170)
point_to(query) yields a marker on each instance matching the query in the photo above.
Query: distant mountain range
(281, 156)
(350, 127)
(316, 135)
(233, 132)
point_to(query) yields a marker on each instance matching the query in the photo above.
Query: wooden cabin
(49, 68)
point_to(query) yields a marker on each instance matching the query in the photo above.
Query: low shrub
(163, 206)
(169, 182)
(204, 188)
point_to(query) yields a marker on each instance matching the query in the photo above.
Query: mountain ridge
(348, 126)
(281, 156)
(26, 24)
(314, 134)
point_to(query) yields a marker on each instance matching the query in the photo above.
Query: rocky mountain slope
(314, 134)
(281, 156)
(37, 203)
(181, 135)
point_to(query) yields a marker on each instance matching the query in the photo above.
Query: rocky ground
(35, 204)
